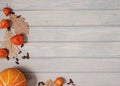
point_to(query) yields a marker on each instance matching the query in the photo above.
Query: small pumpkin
(4, 23)
(59, 81)
(6, 11)
(3, 53)
(12, 77)
(17, 39)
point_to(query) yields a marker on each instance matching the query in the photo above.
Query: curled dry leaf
(48, 83)
(73, 85)
(41, 85)
(19, 24)
(13, 50)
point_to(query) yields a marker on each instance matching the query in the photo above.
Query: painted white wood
(86, 46)
(72, 34)
(61, 4)
(73, 49)
(82, 49)
(71, 18)
(81, 79)
(65, 65)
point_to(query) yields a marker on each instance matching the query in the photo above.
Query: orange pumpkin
(17, 39)
(59, 81)
(3, 53)
(4, 24)
(12, 77)
(6, 11)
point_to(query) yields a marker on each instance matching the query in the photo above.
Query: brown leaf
(49, 83)
(41, 85)
(73, 85)
(13, 50)
(19, 24)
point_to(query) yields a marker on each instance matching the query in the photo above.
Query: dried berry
(22, 45)
(19, 52)
(8, 28)
(12, 12)
(17, 59)
(28, 56)
(70, 82)
(24, 57)
(7, 58)
(17, 62)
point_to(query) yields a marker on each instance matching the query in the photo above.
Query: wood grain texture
(73, 49)
(83, 79)
(61, 4)
(72, 34)
(65, 65)
(78, 39)
(71, 18)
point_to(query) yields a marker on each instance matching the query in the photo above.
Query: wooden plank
(73, 49)
(77, 34)
(61, 4)
(82, 49)
(71, 18)
(66, 65)
(72, 34)
(81, 79)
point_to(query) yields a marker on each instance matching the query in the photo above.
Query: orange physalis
(17, 39)
(4, 23)
(12, 77)
(6, 11)
(3, 53)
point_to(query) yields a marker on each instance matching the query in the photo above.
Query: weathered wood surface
(61, 4)
(78, 39)
(71, 18)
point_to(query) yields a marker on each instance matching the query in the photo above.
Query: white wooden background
(78, 39)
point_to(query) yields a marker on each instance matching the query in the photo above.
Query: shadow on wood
(31, 78)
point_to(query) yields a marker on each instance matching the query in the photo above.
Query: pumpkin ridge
(8, 76)
(16, 78)
(2, 81)
(20, 82)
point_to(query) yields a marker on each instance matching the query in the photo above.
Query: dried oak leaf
(48, 83)
(19, 24)
(41, 84)
(73, 85)
(13, 50)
